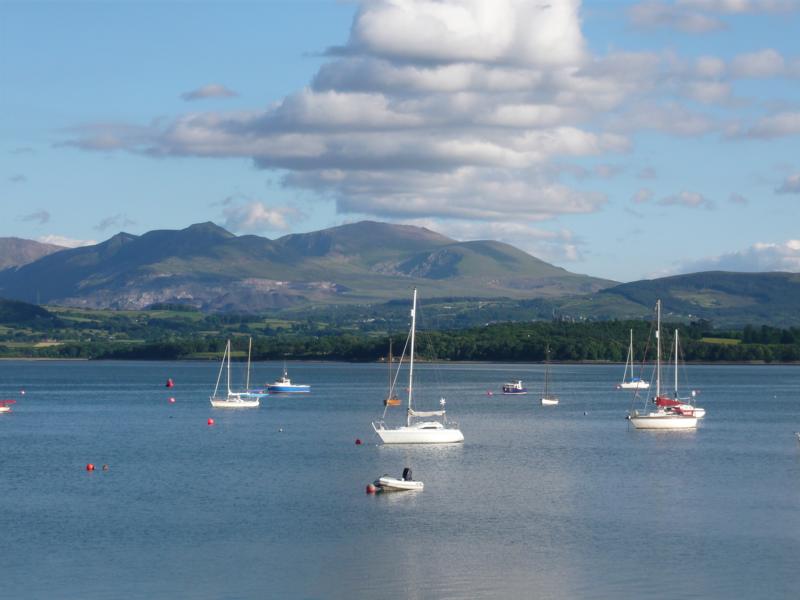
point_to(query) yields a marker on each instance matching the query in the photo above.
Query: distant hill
(13, 312)
(206, 266)
(15, 252)
(726, 298)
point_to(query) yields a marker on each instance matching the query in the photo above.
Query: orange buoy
(371, 489)
(211, 421)
(170, 383)
(358, 441)
(90, 467)
(172, 400)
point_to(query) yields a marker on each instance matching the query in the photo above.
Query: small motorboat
(5, 405)
(514, 387)
(386, 483)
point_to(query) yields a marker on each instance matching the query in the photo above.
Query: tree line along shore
(176, 337)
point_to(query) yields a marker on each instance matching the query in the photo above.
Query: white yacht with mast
(422, 427)
(664, 417)
(232, 399)
(634, 383)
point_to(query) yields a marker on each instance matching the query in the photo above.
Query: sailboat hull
(663, 421)
(634, 385)
(549, 401)
(235, 402)
(423, 433)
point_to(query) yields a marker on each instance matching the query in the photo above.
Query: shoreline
(383, 362)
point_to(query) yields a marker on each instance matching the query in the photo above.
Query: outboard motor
(407, 474)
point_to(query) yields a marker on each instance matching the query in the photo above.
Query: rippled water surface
(563, 502)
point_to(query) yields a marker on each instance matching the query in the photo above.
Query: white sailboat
(683, 404)
(634, 383)
(548, 398)
(422, 427)
(664, 417)
(231, 399)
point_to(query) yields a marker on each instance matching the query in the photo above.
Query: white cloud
(256, 217)
(212, 90)
(762, 256)
(790, 185)
(764, 63)
(672, 16)
(701, 16)
(60, 240)
(501, 31)
(460, 109)
(687, 200)
(776, 125)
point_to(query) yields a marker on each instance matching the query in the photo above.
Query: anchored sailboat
(634, 383)
(422, 427)
(664, 417)
(231, 399)
(684, 404)
(548, 398)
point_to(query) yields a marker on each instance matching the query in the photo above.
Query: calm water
(538, 502)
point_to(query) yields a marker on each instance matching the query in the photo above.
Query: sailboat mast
(228, 349)
(658, 348)
(546, 369)
(249, 350)
(411, 357)
(676, 364)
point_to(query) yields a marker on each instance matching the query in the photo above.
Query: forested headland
(170, 333)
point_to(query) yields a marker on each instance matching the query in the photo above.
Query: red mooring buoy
(90, 467)
(170, 383)
(211, 421)
(358, 441)
(371, 489)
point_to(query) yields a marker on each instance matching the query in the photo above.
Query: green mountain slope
(727, 299)
(209, 267)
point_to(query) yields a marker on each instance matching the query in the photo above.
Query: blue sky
(621, 139)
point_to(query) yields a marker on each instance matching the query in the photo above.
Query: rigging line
(635, 394)
(397, 373)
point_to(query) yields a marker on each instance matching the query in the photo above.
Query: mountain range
(206, 266)
(367, 263)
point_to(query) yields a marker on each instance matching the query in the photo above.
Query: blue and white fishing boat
(284, 385)
(515, 388)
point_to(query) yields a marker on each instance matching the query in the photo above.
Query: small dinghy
(387, 483)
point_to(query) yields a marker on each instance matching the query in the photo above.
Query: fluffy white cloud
(212, 90)
(464, 109)
(762, 256)
(501, 31)
(60, 240)
(255, 217)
